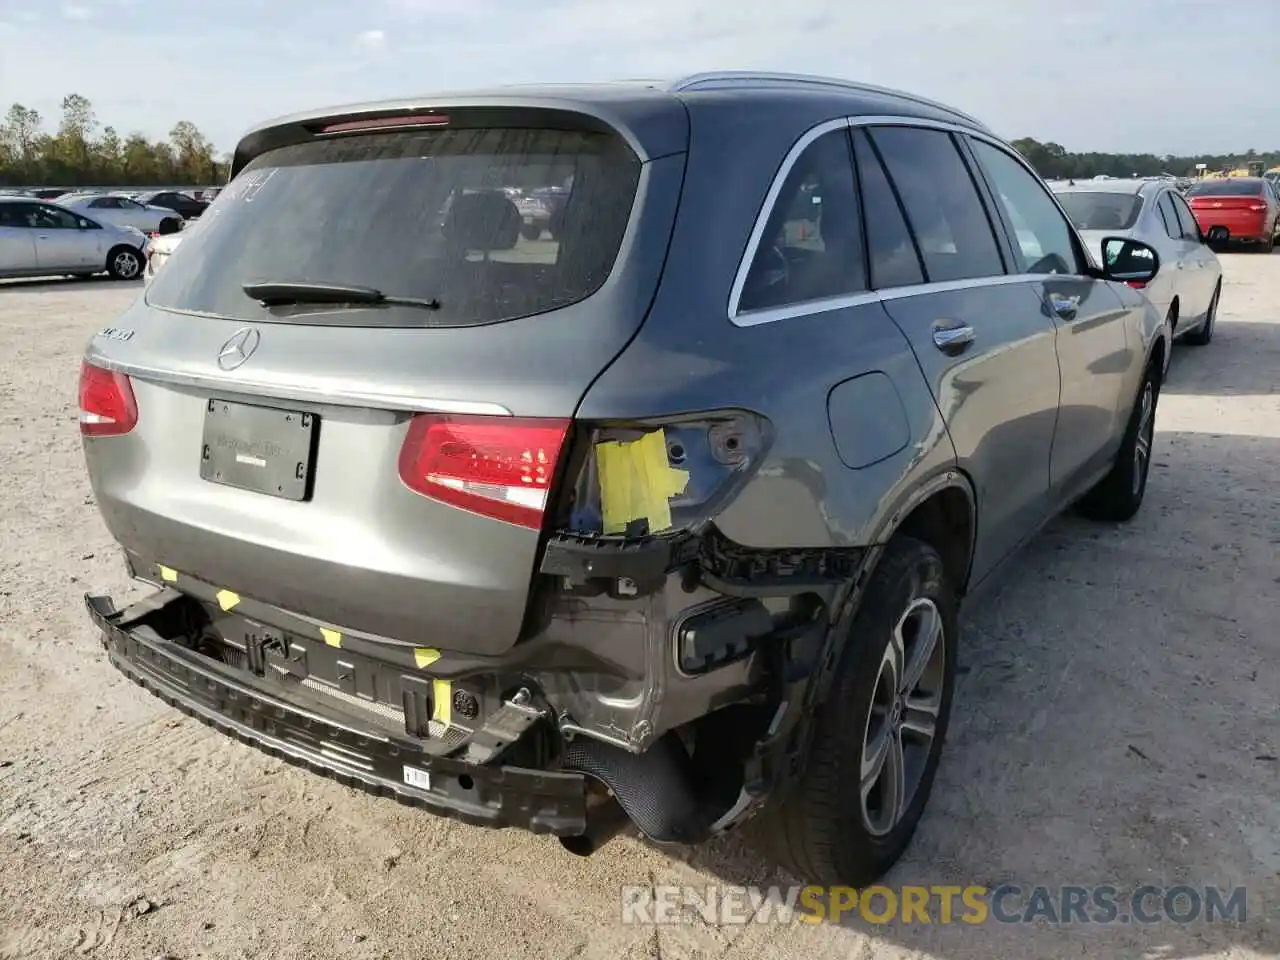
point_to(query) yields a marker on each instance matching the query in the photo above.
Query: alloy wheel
(902, 722)
(1145, 438)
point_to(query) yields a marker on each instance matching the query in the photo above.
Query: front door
(61, 243)
(979, 334)
(1092, 345)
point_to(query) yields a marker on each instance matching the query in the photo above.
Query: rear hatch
(348, 391)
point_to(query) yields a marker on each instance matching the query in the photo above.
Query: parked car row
(660, 513)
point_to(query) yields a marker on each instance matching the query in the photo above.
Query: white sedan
(122, 211)
(1189, 285)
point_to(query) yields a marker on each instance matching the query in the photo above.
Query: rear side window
(1095, 210)
(946, 214)
(487, 224)
(895, 262)
(811, 247)
(1190, 229)
(1170, 216)
(1042, 235)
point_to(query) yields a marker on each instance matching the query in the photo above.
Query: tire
(1119, 494)
(531, 231)
(125, 263)
(1267, 245)
(825, 830)
(1201, 337)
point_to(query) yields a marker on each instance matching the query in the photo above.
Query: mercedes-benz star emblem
(239, 348)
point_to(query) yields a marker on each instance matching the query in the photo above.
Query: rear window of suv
(1226, 188)
(486, 224)
(1091, 210)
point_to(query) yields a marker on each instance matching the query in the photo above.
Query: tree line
(1055, 162)
(78, 153)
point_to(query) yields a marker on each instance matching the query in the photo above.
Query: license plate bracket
(263, 450)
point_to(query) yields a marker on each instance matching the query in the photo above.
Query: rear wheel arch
(942, 513)
(1159, 350)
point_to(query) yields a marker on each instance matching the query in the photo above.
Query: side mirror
(1129, 261)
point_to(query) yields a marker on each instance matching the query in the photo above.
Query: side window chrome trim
(755, 318)
(807, 308)
(766, 210)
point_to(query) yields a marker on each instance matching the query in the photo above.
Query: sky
(1158, 76)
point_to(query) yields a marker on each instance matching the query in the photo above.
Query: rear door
(1092, 345)
(17, 239)
(1201, 263)
(382, 466)
(980, 335)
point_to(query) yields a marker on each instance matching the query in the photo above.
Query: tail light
(1257, 207)
(107, 404)
(499, 467)
(1137, 284)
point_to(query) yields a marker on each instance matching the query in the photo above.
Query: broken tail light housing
(641, 480)
(499, 467)
(107, 404)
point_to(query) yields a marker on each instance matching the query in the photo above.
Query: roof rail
(745, 78)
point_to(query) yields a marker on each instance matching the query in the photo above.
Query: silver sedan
(1189, 284)
(39, 239)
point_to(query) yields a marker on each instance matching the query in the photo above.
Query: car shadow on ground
(36, 284)
(1115, 723)
(1234, 363)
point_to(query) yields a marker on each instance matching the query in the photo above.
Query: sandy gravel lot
(1117, 721)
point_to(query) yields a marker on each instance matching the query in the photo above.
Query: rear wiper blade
(279, 293)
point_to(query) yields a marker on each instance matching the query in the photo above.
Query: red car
(1236, 209)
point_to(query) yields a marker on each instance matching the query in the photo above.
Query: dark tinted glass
(1170, 216)
(1190, 229)
(53, 218)
(894, 261)
(942, 203)
(1101, 211)
(1042, 237)
(811, 247)
(1233, 187)
(493, 224)
(15, 215)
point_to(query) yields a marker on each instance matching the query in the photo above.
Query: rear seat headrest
(486, 221)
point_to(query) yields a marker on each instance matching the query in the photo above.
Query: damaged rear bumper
(369, 758)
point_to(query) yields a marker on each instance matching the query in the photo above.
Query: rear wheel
(1267, 245)
(124, 263)
(1119, 494)
(878, 737)
(1201, 337)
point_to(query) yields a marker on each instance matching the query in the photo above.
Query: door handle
(1064, 306)
(953, 339)
(42, 236)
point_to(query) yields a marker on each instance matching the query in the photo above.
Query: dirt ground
(1116, 722)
